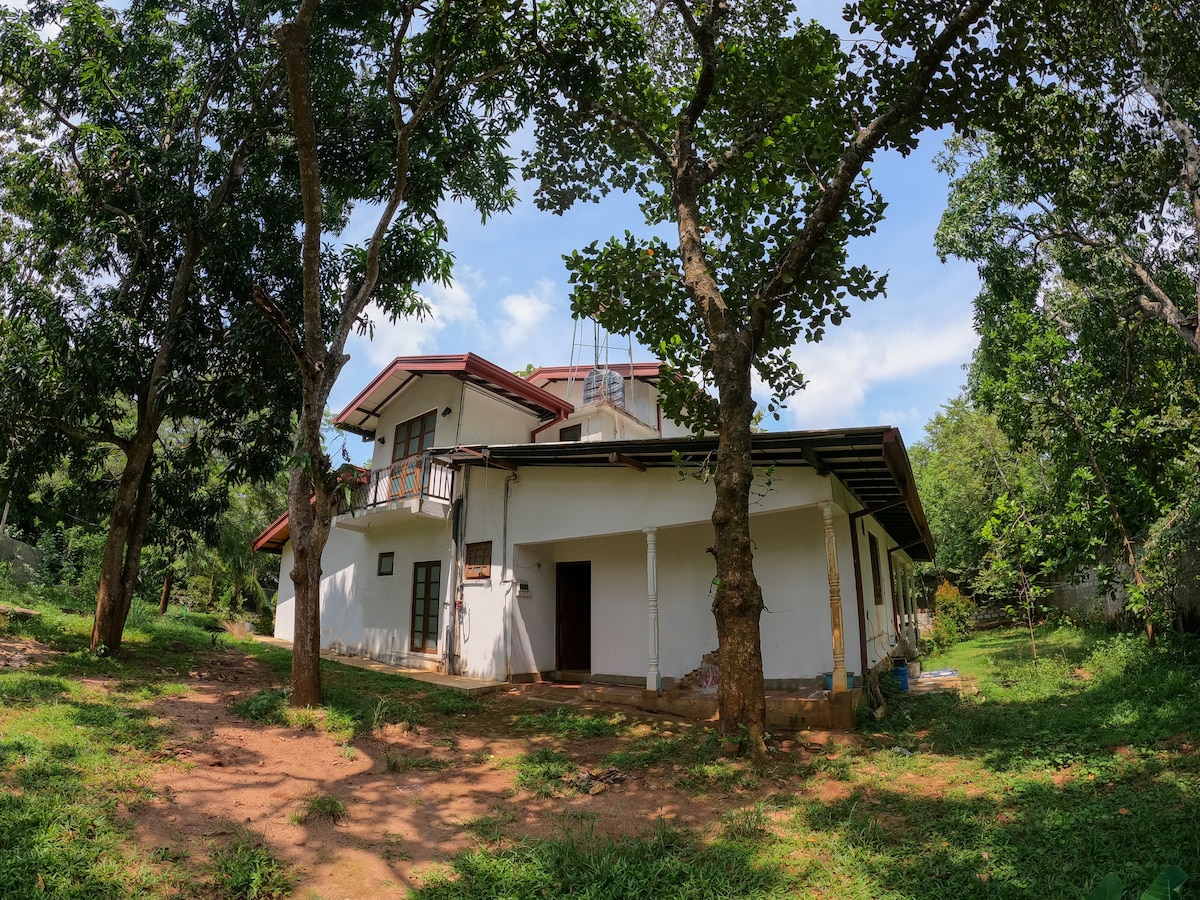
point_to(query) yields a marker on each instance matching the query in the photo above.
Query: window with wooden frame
(414, 436)
(876, 569)
(479, 560)
(571, 433)
(426, 606)
(387, 563)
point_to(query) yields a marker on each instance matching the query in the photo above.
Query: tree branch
(803, 249)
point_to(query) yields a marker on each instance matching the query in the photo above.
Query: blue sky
(893, 362)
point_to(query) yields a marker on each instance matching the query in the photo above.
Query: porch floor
(786, 710)
(470, 686)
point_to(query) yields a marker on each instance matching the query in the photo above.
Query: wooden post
(835, 600)
(653, 676)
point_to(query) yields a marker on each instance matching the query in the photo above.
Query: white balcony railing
(419, 477)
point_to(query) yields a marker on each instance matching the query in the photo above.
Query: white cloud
(523, 315)
(851, 363)
(410, 336)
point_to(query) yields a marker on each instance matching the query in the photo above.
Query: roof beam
(810, 456)
(623, 460)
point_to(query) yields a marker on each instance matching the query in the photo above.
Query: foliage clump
(953, 616)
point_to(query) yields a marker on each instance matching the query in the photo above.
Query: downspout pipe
(458, 528)
(509, 580)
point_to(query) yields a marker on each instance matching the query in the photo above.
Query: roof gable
(361, 416)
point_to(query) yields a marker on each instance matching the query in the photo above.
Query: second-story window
(414, 436)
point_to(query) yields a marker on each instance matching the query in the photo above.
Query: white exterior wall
(476, 417)
(483, 629)
(532, 637)
(549, 504)
(790, 564)
(486, 419)
(641, 400)
(365, 613)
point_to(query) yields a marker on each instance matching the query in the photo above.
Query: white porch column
(653, 676)
(835, 599)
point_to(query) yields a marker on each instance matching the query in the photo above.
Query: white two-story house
(510, 527)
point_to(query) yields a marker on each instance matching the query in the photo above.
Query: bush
(953, 615)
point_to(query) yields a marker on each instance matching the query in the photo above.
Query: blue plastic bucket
(900, 670)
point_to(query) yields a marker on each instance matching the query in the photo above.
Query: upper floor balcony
(419, 484)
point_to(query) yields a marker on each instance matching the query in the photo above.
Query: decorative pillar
(911, 596)
(653, 676)
(835, 599)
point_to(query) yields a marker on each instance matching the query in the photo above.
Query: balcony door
(412, 439)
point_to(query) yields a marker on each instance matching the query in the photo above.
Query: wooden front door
(573, 616)
(426, 606)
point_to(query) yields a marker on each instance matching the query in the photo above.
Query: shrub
(953, 614)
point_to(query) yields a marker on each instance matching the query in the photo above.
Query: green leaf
(1168, 885)
(1109, 888)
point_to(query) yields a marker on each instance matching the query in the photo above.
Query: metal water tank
(603, 384)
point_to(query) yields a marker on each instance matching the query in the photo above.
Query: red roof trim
(462, 364)
(274, 536)
(562, 373)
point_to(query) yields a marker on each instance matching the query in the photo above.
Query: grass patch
(357, 702)
(542, 772)
(317, 807)
(568, 723)
(489, 829)
(668, 863)
(397, 763)
(656, 750)
(244, 869)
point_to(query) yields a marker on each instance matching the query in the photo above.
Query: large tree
(397, 107)
(748, 134)
(1092, 167)
(127, 134)
(1097, 392)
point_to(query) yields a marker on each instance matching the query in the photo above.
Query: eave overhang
(361, 416)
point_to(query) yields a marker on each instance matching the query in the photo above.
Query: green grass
(1056, 772)
(356, 701)
(318, 807)
(489, 829)
(244, 869)
(669, 863)
(74, 758)
(541, 772)
(567, 723)
(70, 757)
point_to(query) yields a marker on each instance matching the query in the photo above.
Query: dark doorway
(573, 616)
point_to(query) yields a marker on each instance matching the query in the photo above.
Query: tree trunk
(165, 597)
(123, 545)
(310, 516)
(738, 604)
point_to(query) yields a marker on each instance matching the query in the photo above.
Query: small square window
(571, 433)
(479, 560)
(387, 563)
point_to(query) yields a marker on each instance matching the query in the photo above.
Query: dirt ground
(220, 773)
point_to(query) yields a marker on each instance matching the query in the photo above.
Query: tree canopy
(131, 229)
